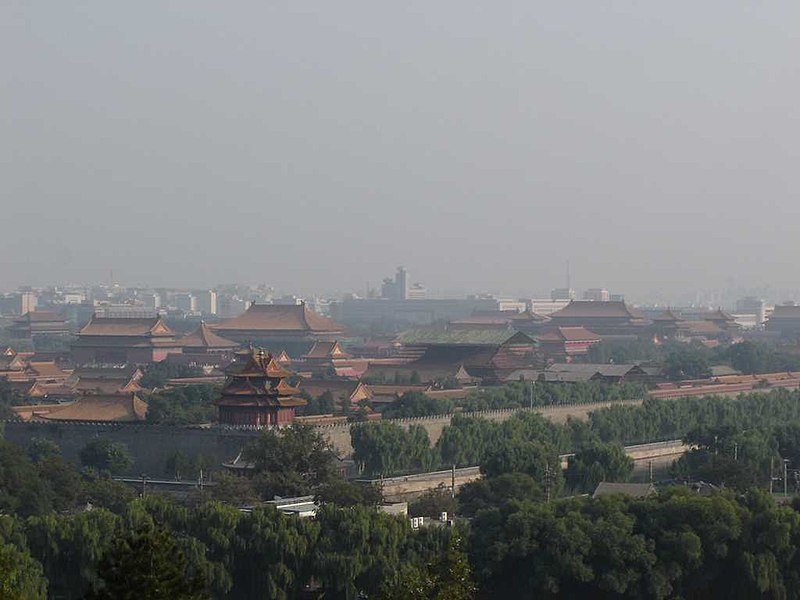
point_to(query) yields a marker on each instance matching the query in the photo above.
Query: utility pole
(771, 461)
(735, 451)
(785, 478)
(650, 468)
(453, 482)
(530, 393)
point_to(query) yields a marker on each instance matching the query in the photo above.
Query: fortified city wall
(152, 445)
(339, 434)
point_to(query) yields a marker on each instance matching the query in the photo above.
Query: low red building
(38, 323)
(108, 381)
(256, 392)
(329, 359)
(607, 319)
(204, 341)
(293, 328)
(124, 341)
(562, 343)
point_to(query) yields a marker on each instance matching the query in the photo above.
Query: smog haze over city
(423, 300)
(315, 147)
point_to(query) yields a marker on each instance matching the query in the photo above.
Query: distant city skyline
(688, 297)
(482, 145)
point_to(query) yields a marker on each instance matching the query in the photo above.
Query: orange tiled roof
(204, 337)
(136, 327)
(279, 317)
(326, 350)
(13, 363)
(348, 388)
(667, 316)
(122, 373)
(256, 362)
(718, 315)
(590, 309)
(28, 411)
(42, 390)
(568, 334)
(699, 328)
(112, 408)
(101, 385)
(47, 369)
(39, 316)
(284, 389)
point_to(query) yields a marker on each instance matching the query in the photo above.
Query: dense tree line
(754, 357)
(324, 404)
(157, 374)
(385, 448)
(677, 545)
(622, 352)
(417, 404)
(595, 463)
(69, 534)
(155, 548)
(682, 361)
(42, 481)
(519, 394)
(738, 458)
(8, 398)
(88, 536)
(185, 405)
(296, 461)
(659, 420)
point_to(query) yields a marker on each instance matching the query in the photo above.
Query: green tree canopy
(295, 460)
(146, 563)
(593, 464)
(21, 577)
(106, 455)
(385, 448)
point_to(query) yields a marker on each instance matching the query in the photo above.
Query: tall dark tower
(401, 283)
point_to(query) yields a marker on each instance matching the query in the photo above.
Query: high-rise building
(401, 283)
(596, 295)
(388, 289)
(108, 310)
(398, 288)
(152, 301)
(417, 292)
(186, 302)
(207, 302)
(232, 306)
(27, 302)
(753, 306)
(73, 297)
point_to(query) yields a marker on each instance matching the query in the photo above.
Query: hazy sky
(317, 145)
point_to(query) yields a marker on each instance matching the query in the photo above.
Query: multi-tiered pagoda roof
(257, 392)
